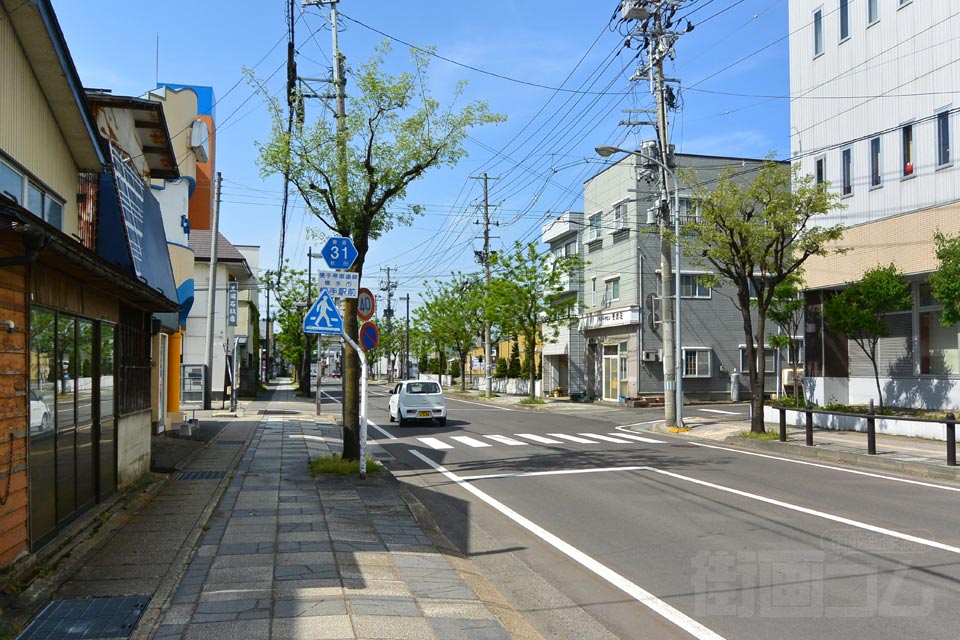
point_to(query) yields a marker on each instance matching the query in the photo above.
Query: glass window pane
(54, 213)
(34, 200)
(11, 183)
(875, 175)
(943, 138)
(107, 420)
(83, 383)
(66, 423)
(907, 150)
(844, 19)
(43, 514)
(817, 32)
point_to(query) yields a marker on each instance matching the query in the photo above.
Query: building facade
(76, 346)
(620, 311)
(874, 115)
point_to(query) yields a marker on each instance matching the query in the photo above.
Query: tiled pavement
(288, 556)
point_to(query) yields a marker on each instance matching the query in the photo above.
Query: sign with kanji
(233, 303)
(339, 253)
(339, 284)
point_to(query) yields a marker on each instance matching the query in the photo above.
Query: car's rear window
(423, 387)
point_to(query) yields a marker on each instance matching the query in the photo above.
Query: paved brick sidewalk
(288, 556)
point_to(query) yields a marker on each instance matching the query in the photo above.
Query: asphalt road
(595, 532)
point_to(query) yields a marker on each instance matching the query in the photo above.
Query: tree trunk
(754, 365)
(463, 372)
(876, 373)
(350, 370)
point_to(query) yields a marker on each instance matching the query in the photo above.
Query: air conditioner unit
(789, 375)
(652, 356)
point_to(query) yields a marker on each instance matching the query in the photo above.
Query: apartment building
(620, 315)
(873, 113)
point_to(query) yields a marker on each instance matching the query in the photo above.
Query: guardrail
(950, 420)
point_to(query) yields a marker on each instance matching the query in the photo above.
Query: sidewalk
(243, 543)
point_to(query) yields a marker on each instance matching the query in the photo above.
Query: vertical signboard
(233, 303)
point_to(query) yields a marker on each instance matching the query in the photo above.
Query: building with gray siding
(620, 311)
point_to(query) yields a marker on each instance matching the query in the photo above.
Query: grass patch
(532, 401)
(333, 463)
(750, 435)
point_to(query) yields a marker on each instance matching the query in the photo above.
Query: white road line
(639, 594)
(562, 472)
(600, 436)
(434, 443)
(484, 404)
(639, 424)
(508, 441)
(868, 474)
(381, 430)
(536, 438)
(564, 436)
(726, 413)
(621, 434)
(813, 512)
(471, 442)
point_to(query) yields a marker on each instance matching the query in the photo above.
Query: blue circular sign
(369, 336)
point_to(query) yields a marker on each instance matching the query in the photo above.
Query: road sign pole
(319, 375)
(363, 404)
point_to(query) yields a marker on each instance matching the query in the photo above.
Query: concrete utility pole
(655, 18)
(212, 291)
(485, 260)
(388, 314)
(406, 341)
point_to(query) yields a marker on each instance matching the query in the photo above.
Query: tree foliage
(348, 174)
(945, 281)
(860, 310)
(452, 314)
(756, 234)
(526, 296)
(786, 311)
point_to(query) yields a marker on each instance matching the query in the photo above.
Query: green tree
(501, 370)
(352, 173)
(513, 367)
(786, 310)
(945, 281)
(455, 369)
(291, 306)
(528, 296)
(860, 311)
(756, 234)
(453, 311)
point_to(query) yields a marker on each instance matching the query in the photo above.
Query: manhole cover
(234, 443)
(88, 618)
(201, 475)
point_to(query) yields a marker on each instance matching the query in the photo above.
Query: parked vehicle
(417, 400)
(41, 420)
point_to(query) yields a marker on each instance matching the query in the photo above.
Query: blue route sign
(339, 253)
(323, 317)
(369, 336)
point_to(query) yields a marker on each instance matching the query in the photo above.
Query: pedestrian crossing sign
(323, 317)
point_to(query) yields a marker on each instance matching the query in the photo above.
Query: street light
(605, 152)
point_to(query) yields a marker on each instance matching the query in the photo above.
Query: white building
(873, 94)
(562, 364)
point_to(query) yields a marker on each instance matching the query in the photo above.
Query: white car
(41, 420)
(417, 400)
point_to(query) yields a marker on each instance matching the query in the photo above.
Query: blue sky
(733, 67)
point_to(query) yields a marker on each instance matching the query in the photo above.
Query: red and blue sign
(369, 336)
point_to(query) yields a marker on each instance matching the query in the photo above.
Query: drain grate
(233, 443)
(201, 475)
(98, 618)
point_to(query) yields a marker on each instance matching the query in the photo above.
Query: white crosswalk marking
(599, 436)
(509, 441)
(434, 443)
(471, 442)
(536, 438)
(572, 438)
(640, 438)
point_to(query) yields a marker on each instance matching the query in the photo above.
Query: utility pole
(406, 341)
(485, 260)
(212, 291)
(388, 314)
(655, 18)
